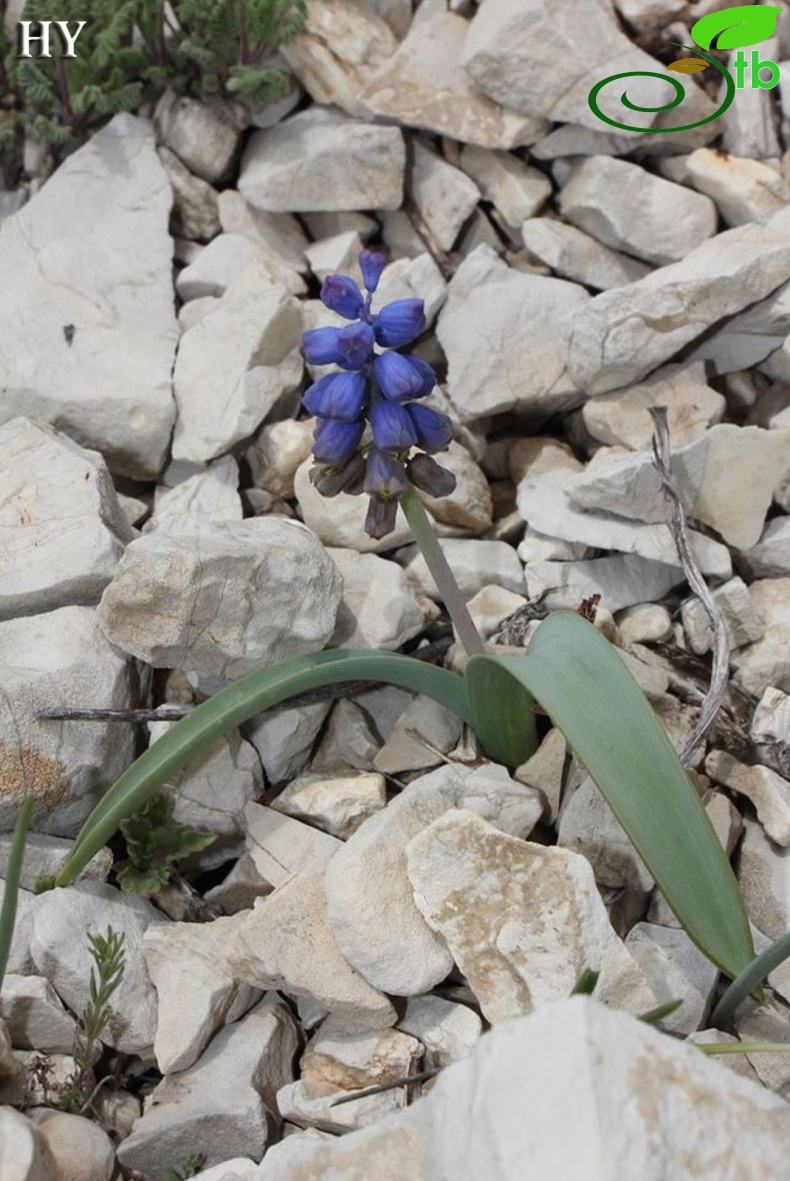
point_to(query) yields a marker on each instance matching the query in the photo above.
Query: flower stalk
(449, 590)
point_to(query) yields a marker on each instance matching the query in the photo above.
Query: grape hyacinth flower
(380, 390)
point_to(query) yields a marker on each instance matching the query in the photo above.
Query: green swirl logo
(732, 29)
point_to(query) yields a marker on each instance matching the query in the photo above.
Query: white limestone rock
(188, 960)
(474, 563)
(424, 85)
(265, 953)
(338, 254)
(469, 505)
(577, 256)
(339, 47)
(59, 658)
(215, 268)
(423, 728)
(195, 205)
(676, 970)
(91, 250)
(513, 46)
(276, 453)
(80, 1146)
(320, 160)
(444, 196)
(35, 1017)
(505, 335)
(62, 531)
(707, 471)
(588, 826)
(753, 336)
(371, 904)
(345, 1060)
(621, 581)
(340, 520)
(223, 1106)
(279, 235)
(204, 141)
(745, 190)
(491, 606)
(413, 278)
(630, 209)
(770, 729)
(378, 609)
(210, 495)
(741, 620)
(313, 1106)
(768, 791)
(522, 921)
(649, 14)
(62, 921)
(622, 418)
(349, 741)
(770, 557)
(517, 191)
(244, 356)
(219, 601)
(766, 662)
(545, 771)
(448, 1031)
(24, 1152)
(764, 879)
(337, 804)
(284, 740)
(623, 334)
(644, 623)
(282, 847)
(550, 503)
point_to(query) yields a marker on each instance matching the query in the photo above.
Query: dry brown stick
(410, 1079)
(720, 672)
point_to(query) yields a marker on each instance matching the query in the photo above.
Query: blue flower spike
(378, 390)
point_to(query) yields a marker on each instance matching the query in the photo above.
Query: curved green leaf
(236, 704)
(748, 24)
(584, 686)
(750, 979)
(503, 712)
(13, 874)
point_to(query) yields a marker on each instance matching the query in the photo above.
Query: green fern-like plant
(154, 842)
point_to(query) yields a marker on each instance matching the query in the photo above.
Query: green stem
(449, 590)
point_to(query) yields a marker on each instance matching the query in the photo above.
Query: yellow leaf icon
(687, 65)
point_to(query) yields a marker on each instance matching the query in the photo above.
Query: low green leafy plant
(134, 49)
(154, 842)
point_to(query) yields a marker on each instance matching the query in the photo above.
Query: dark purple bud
(425, 473)
(400, 322)
(371, 263)
(329, 481)
(385, 476)
(320, 346)
(337, 395)
(434, 430)
(355, 345)
(399, 380)
(335, 442)
(340, 294)
(393, 430)
(381, 517)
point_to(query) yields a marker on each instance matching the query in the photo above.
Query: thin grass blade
(13, 874)
(584, 686)
(750, 979)
(236, 704)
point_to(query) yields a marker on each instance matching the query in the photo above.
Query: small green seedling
(154, 842)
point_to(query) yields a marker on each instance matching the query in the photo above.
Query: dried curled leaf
(688, 65)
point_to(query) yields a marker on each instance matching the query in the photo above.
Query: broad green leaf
(584, 686)
(748, 24)
(236, 704)
(12, 875)
(503, 712)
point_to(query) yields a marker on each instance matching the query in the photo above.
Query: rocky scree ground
(376, 896)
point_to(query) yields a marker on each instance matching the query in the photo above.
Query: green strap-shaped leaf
(503, 712)
(748, 24)
(13, 874)
(584, 686)
(236, 704)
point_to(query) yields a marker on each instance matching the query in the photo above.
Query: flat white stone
(312, 1106)
(79, 1145)
(770, 557)
(517, 191)
(336, 804)
(741, 620)
(215, 268)
(770, 728)
(319, 160)
(545, 771)
(188, 959)
(346, 1060)
(340, 520)
(444, 196)
(349, 741)
(707, 472)
(57, 658)
(35, 1017)
(202, 140)
(378, 608)
(623, 334)
(279, 234)
(768, 791)
(210, 495)
(24, 1153)
(424, 85)
(766, 662)
(223, 1106)
(630, 209)
(62, 531)
(448, 1031)
(423, 728)
(282, 847)
(577, 256)
(195, 205)
(522, 921)
(62, 921)
(276, 453)
(284, 740)
(265, 952)
(220, 601)
(474, 563)
(622, 418)
(764, 879)
(677, 971)
(755, 335)
(505, 335)
(375, 921)
(20, 960)
(413, 278)
(92, 250)
(744, 190)
(336, 255)
(244, 356)
(621, 581)
(588, 826)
